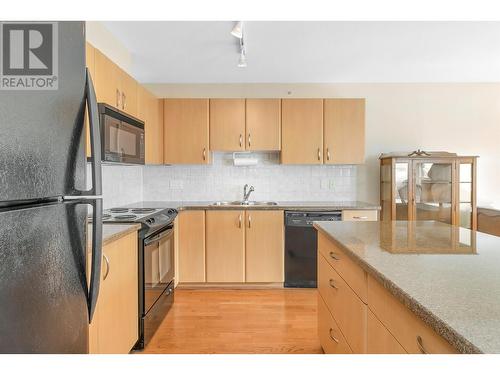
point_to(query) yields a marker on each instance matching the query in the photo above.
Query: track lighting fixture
(237, 32)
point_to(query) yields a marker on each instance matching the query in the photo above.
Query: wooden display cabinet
(423, 185)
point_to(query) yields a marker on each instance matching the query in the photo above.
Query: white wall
(462, 118)
(223, 181)
(100, 37)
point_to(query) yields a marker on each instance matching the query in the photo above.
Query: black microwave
(122, 136)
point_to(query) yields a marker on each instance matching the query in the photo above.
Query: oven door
(158, 266)
(123, 141)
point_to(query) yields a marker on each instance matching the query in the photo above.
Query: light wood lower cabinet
(225, 246)
(191, 253)
(359, 215)
(230, 246)
(114, 328)
(379, 339)
(330, 336)
(264, 246)
(415, 336)
(378, 324)
(345, 306)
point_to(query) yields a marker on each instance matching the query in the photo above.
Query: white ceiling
(312, 52)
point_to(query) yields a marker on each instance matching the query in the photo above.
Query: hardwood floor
(239, 321)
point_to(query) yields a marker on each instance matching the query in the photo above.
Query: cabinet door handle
(327, 153)
(124, 97)
(360, 217)
(249, 221)
(118, 96)
(106, 260)
(241, 140)
(333, 337)
(239, 221)
(319, 153)
(204, 153)
(249, 140)
(334, 256)
(332, 284)
(420, 345)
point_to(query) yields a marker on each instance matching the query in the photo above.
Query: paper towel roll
(241, 162)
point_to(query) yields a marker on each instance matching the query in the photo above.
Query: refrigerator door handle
(95, 269)
(95, 137)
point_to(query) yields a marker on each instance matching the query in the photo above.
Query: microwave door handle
(95, 137)
(96, 256)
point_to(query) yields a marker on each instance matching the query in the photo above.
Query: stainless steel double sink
(243, 203)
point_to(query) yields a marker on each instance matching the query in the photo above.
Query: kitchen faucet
(246, 194)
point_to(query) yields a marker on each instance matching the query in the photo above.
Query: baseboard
(230, 286)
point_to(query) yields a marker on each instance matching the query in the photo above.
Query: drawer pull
(420, 345)
(333, 337)
(334, 256)
(107, 266)
(360, 217)
(332, 284)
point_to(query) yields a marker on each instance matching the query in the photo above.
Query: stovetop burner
(124, 217)
(106, 216)
(118, 210)
(142, 210)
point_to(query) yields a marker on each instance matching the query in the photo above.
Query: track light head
(237, 30)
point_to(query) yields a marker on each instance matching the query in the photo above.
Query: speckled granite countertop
(448, 276)
(289, 205)
(112, 232)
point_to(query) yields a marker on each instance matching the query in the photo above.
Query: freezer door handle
(95, 269)
(95, 137)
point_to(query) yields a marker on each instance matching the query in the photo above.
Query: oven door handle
(158, 237)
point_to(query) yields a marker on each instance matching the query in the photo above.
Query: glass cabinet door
(465, 195)
(433, 190)
(402, 195)
(386, 190)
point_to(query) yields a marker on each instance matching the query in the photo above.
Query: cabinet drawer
(346, 308)
(359, 215)
(379, 340)
(414, 335)
(353, 274)
(331, 339)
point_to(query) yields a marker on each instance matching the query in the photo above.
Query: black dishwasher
(301, 242)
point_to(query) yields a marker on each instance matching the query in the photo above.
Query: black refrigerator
(47, 294)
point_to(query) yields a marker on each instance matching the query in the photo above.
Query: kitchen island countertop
(447, 275)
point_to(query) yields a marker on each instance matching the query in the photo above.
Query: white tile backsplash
(121, 184)
(221, 180)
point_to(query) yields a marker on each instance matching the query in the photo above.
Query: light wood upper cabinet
(344, 131)
(191, 252)
(90, 63)
(263, 124)
(302, 131)
(264, 246)
(114, 86)
(128, 91)
(114, 328)
(227, 124)
(150, 110)
(186, 124)
(107, 80)
(225, 246)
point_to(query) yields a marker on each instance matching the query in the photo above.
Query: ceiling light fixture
(237, 30)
